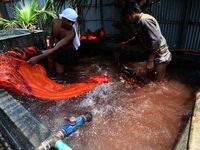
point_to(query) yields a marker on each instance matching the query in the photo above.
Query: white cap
(69, 14)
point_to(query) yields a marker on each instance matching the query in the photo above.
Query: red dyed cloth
(19, 77)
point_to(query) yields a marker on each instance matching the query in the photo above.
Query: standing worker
(63, 42)
(152, 39)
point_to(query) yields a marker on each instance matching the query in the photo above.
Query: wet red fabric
(19, 77)
(23, 53)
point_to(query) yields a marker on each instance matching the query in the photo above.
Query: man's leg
(160, 70)
(60, 70)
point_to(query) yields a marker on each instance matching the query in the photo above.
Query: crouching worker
(63, 42)
(152, 39)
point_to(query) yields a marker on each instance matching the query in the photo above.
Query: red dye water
(148, 118)
(124, 117)
(18, 76)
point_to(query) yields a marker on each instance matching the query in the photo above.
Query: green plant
(30, 14)
(46, 14)
(26, 15)
(7, 24)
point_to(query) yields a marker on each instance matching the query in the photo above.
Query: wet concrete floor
(125, 116)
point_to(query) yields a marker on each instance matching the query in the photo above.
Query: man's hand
(33, 60)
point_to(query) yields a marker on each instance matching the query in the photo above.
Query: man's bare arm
(65, 41)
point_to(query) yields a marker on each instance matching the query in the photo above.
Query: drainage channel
(4, 145)
(19, 129)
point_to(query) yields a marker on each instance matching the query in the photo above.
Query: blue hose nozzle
(74, 123)
(70, 127)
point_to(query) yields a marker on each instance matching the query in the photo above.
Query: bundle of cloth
(23, 53)
(31, 80)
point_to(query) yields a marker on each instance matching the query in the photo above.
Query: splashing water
(124, 118)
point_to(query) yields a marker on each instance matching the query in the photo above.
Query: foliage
(30, 14)
(26, 15)
(47, 12)
(7, 24)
